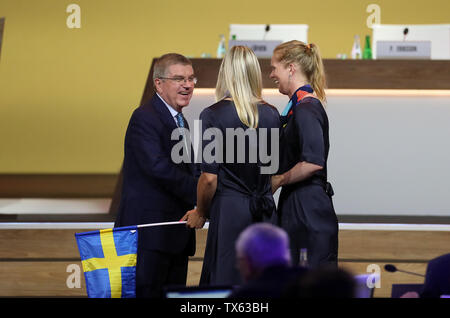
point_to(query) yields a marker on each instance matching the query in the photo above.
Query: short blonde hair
(307, 56)
(240, 78)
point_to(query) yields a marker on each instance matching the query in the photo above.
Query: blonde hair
(240, 78)
(307, 56)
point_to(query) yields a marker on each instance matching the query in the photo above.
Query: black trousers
(156, 270)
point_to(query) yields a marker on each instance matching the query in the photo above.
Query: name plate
(420, 50)
(261, 48)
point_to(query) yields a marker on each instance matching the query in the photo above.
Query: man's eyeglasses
(180, 79)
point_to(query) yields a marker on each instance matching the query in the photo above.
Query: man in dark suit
(155, 188)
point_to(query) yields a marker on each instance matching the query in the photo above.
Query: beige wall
(66, 94)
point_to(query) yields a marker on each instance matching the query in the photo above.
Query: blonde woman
(232, 192)
(305, 209)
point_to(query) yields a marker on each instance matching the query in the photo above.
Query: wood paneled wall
(342, 74)
(57, 185)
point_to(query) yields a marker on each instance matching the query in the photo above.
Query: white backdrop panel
(389, 155)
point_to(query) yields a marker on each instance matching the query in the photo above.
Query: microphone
(405, 33)
(391, 268)
(266, 30)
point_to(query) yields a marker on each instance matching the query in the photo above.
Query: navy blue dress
(305, 209)
(243, 194)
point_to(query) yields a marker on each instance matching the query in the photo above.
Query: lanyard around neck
(302, 92)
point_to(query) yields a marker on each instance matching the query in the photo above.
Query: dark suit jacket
(155, 189)
(437, 277)
(272, 283)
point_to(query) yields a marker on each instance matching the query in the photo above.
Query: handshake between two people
(193, 219)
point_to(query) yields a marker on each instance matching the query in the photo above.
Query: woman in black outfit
(233, 190)
(305, 209)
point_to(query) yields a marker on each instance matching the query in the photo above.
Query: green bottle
(367, 53)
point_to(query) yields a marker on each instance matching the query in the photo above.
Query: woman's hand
(277, 181)
(300, 172)
(194, 219)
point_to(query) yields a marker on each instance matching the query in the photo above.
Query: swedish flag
(109, 261)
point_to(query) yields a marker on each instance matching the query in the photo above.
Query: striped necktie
(180, 120)
(182, 124)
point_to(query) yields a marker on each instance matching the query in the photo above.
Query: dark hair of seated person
(323, 282)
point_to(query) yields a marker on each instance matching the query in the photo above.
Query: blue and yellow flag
(109, 261)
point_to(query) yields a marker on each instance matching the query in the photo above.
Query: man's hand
(194, 220)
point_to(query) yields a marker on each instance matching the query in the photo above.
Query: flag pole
(160, 224)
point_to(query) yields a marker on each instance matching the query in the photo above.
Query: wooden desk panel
(34, 262)
(342, 74)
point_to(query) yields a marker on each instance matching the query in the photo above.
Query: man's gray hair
(264, 245)
(163, 62)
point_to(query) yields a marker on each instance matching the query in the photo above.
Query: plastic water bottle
(356, 49)
(221, 50)
(303, 257)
